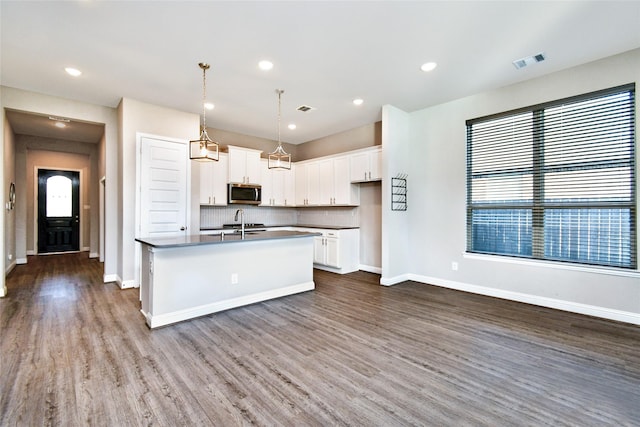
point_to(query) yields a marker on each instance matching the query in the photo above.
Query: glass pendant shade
(279, 159)
(204, 149)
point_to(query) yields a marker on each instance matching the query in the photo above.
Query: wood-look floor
(76, 352)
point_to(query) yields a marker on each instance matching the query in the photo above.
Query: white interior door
(164, 188)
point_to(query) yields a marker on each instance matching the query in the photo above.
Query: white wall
(437, 198)
(138, 117)
(396, 161)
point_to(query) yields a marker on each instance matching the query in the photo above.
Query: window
(59, 202)
(556, 181)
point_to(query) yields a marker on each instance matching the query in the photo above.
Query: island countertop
(231, 237)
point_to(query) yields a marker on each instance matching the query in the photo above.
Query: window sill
(557, 265)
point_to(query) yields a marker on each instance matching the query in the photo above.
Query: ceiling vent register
(524, 62)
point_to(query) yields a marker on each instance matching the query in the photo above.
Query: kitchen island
(191, 276)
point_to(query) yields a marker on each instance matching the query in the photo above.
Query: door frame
(138, 201)
(36, 170)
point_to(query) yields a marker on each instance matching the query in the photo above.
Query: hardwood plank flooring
(76, 352)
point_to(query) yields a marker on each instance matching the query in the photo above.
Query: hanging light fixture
(204, 148)
(279, 159)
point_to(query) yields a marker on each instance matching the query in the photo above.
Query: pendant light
(279, 159)
(203, 149)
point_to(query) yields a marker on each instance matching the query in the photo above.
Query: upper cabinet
(244, 165)
(213, 182)
(366, 165)
(335, 185)
(326, 181)
(277, 186)
(307, 184)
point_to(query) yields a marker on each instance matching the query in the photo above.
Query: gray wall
(353, 139)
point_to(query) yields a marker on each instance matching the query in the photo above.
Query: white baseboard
(31, 252)
(388, 281)
(370, 269)
(10, 267)
(85, 249)
(573, 307)
(21, 260)
(126, 284)
(203, 310)
(94, 255)
(108, 278)
(122, 284)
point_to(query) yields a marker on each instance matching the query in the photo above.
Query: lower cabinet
(337, 251)
(326, 251)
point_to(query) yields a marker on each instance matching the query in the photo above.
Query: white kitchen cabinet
(335, 185)
(213, 182)
(366, 165)
(337, 251)
(326, 251)
(277, 186)
(307, 184)
(244, 165)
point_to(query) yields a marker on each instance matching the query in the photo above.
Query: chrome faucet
(241, 212)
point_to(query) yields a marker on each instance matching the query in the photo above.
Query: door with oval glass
(58, 211)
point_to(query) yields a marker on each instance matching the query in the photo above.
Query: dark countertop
(325, 227)
(231, 237)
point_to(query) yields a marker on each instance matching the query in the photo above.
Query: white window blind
(556, 181)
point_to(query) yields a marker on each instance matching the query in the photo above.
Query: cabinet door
(266, 179)
(301, 184)
(342, 182)
(244, 165)
(206, 182)
(219, 181)
(289, 188)
(252, 167)
(375, 164)
(359, 167)
(237, 166)
(278, 178)
(332, 251)
(319, 250)
(327, 182)
(313, 184)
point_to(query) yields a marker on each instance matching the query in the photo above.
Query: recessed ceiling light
(428, 66)
(60, 125)
(73, 71)
(209, 105)
(265, 65)
(292, 126)
(358, 101)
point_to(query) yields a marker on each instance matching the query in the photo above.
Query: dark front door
(58, 211)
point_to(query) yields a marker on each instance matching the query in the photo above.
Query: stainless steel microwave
(244, 194)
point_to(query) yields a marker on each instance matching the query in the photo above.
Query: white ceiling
(325, 53)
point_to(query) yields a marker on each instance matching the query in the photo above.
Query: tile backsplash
(216, 216)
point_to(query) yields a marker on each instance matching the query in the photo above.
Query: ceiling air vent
(521, 63)
(305, 108)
